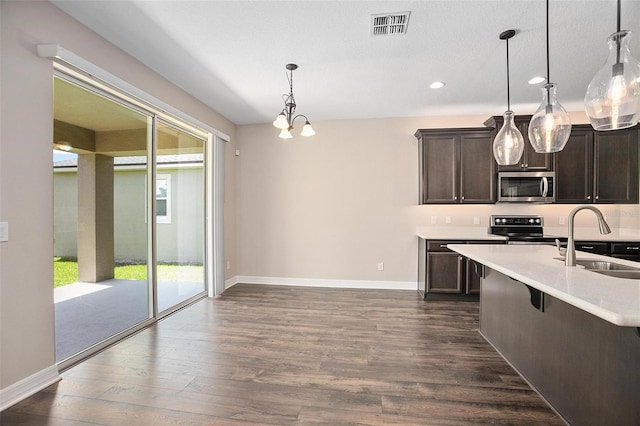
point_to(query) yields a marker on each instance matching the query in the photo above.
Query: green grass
(65, 271)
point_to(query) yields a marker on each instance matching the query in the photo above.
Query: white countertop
(480, 233)
(616, 300)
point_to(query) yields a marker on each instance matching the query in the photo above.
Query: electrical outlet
(447, 219)
(434, 220)
(476, 220)
(228, 264)
(380, 266)
(561, 220)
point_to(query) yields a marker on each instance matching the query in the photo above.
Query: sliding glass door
(100, 247)
(129, 217)
(180, 218)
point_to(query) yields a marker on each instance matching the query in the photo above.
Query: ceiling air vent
(389, 23)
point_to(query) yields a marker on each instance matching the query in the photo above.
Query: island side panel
(588, 369)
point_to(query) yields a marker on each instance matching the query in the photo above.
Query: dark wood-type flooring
(296, 355)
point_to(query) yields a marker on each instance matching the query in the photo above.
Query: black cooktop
(518, 227)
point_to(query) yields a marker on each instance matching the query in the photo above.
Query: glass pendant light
(509, 143)
(612, 100)
(550, 125)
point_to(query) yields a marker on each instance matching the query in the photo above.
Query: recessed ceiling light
(437, 85)
(536, 80)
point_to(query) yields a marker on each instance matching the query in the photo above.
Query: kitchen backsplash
(619, 216)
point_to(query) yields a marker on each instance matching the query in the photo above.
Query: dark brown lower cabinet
(443, 273)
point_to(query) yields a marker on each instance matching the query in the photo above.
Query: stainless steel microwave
(526, 187)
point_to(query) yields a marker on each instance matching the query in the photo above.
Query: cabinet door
(616, 166)
(530, 159)
(440, 169)
(574, 168)
(444, 272)
(473, 280)
(477, 169)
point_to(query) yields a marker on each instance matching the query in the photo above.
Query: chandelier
(285, 119)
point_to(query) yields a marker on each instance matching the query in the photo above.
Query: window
(163, 198)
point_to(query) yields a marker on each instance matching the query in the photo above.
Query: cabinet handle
(462, 198)
(588, 247)
(443, 246)
(588, 197)
(633, 248)
(526, 165)
(597, 197)
(455, 197)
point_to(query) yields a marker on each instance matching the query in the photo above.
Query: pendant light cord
(548, 73)
(508, 91)
(618, 36)
(548, 81)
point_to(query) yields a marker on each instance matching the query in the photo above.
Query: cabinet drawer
(441, 245)
(625, 248)
(593, 247)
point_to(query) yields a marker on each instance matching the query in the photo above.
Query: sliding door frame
(102, 83)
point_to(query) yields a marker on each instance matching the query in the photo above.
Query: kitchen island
(572, 334)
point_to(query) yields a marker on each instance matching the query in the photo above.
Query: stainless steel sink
(630, 274)
(608, 268)
(604, 265)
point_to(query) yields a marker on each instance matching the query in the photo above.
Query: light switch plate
(4, 232)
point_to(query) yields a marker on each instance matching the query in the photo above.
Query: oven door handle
(544, 186)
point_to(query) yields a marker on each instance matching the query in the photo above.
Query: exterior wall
(65, 210)
(180, 241)
(26, 128)
(130, 225)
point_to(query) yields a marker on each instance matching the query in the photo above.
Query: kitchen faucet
(570, 259)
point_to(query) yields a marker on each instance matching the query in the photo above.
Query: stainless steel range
(520, 229)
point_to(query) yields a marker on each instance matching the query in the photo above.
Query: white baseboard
(312, 282)
(26, 387)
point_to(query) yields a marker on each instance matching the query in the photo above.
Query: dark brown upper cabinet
(456, 166)
(530, 159)
(598, 167)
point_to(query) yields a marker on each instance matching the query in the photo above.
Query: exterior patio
(88, 313)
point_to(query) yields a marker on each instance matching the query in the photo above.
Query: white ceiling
(232, 54)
